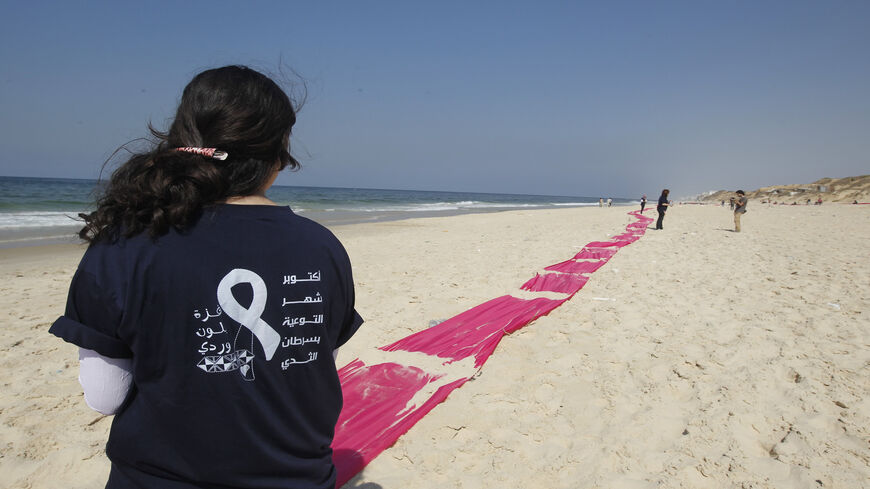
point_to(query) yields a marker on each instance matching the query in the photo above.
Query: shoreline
(36, 237)
(39, 237)
(45, 210)
(695, 357)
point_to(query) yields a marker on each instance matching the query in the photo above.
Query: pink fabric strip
(630, 237)
(607, 244)
(571, 266)
(565, 283)
(595, 253)
(477, 331)
(376, 411)
(376, 398)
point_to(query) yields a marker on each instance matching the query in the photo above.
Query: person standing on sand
(662, 207)
(739, 209)
(642, 203)
(183, 303)
(609, 202)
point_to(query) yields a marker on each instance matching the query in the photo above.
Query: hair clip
(209, 152)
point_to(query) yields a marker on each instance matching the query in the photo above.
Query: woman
(642, 203)
(739, 209)
(207, 315)
(662, 207)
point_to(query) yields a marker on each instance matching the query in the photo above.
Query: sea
(37, 211)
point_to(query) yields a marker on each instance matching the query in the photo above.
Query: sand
(696, 357)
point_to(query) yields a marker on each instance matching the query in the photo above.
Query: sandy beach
(695, 358)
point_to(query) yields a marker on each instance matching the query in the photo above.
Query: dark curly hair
(234, 109)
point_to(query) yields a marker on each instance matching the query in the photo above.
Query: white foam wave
(437, 206)
(19, 220)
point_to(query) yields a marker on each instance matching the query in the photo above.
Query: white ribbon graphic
(249, 318)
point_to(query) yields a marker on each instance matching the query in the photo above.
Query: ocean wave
(37, 219)
(430, 207)
(38, 206)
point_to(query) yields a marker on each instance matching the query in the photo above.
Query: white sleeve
(106, 381)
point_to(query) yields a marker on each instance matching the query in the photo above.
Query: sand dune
(845, 190)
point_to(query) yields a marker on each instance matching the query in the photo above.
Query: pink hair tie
(209, 152)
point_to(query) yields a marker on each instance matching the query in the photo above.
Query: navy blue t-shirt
(663, 203)
(231, 327)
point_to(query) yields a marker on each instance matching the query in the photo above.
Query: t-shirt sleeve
(350, 328)
(91, 319)
(352, 319)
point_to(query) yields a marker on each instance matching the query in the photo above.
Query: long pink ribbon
(378, 398)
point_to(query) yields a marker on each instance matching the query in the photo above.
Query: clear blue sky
(569, 98)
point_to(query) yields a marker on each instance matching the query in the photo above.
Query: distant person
(819, 202)
(609, 202)
(662, 207)
(601, 202)
(181, 302)
(732, 203)
(808, 201)
(739, 209)
(642, 203)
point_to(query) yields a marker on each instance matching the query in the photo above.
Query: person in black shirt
(210, 314)
(662, 207)
(739, 209)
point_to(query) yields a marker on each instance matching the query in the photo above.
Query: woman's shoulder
(269, 222)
